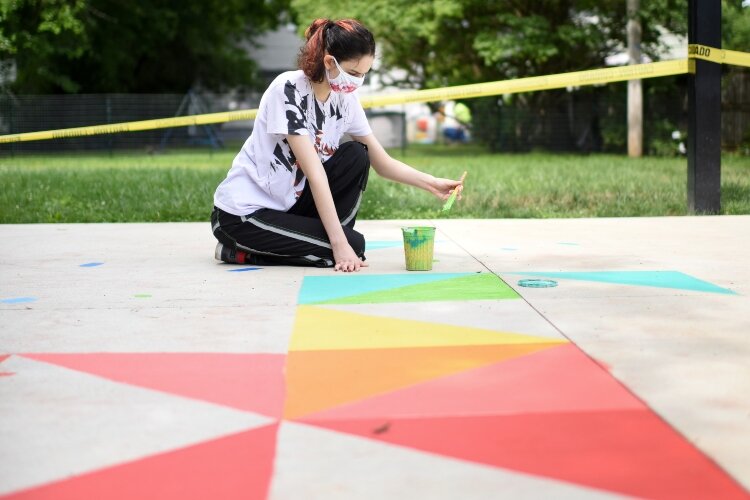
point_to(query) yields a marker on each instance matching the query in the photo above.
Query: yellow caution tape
(534, 83)
(563, 80)
(531, 84)
(720, 56)
(177, 121)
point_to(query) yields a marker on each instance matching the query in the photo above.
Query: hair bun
(316, 25)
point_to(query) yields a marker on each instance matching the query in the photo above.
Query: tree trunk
(635, 89)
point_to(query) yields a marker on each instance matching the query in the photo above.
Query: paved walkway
(132, 365)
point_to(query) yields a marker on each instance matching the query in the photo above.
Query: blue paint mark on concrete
(568, 244)
(244, 269)
(323, 288)
(18, 300)
(658, 279)
(377, 245)
(91, 264)
(509, 249)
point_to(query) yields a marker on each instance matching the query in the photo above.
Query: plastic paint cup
(419, 243)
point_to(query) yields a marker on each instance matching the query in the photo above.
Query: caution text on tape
(720, 56)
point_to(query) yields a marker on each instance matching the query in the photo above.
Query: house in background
(276, 52)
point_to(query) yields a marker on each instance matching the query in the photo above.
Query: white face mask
(345, 82)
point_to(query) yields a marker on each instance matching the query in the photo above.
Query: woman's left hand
(442, 188)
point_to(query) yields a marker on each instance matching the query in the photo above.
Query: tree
(32, 32)
(635, 87)
(146, 46)
(450, 42)
(735, 82)
(735, 25)
(453, 42)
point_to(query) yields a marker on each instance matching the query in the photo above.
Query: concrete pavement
(133, 364)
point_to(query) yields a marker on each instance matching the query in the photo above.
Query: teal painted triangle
(377, 245)
(658, 279)
(474, 286)
(317, 289)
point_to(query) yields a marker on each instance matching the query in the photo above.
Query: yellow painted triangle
(318, 328)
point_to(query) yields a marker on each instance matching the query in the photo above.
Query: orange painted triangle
(554, 380)
(238, 466)
(318, 380)
(249, 382)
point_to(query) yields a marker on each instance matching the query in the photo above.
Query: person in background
(293, 192)
(456, 122)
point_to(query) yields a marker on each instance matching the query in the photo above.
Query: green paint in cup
(419, 243)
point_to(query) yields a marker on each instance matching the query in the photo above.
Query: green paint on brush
(454, 194)
(451, 199)
(480, 286)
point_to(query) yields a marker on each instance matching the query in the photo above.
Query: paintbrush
(454, 194)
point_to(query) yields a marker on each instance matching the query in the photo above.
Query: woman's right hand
(443, 188)
(346, 259)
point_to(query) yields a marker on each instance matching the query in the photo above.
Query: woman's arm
(343, 254)
(395, 170)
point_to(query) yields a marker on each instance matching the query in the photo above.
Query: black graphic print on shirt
(283, 157)
(266, 173)
(324, 122)
(296, 109)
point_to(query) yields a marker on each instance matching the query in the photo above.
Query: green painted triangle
(478, 286)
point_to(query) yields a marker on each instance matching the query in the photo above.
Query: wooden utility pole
(704, 111)
(635, 87)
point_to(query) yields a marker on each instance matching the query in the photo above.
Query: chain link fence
(584, 120)
(594, 119)
(29, 113)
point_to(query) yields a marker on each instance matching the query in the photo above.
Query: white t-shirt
(265, 173)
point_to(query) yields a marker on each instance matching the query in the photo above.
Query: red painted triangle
(3, 357)
(628, 451)
(237, 466)
(250, 382)
(553, 380)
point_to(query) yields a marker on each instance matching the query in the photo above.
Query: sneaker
(230, 255)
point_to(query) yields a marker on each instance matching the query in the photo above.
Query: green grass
(178, 186)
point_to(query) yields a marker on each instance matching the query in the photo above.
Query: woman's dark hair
(344, 39)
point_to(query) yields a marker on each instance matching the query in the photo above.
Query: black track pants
(297, 236)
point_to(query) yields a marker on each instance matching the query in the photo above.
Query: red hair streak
(345, 24)
(344, 39)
